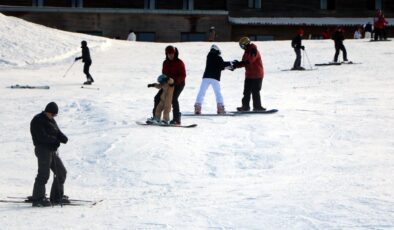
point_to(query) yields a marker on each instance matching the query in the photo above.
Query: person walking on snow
(47, 137)
(166, 85)
(296, 43)
(87, 62)
(174, 68)
(254, 74)
(338, 38)
(213, 68)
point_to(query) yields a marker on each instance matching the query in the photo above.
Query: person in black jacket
(338, 38)
(296, 43)
(87, 60)
(47, 137)
(213, 69)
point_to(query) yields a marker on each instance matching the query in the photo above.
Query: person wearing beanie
(87, 62)
(213, 68)
(174, 68)
(338, 38)
(166, 85)
(296, 43)
(47, 137)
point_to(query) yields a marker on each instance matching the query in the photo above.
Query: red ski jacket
(175, 69)
(254, 65)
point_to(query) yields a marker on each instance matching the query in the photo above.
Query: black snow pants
(337, 49)
(252, 86)
(297, 63)
(86, 68)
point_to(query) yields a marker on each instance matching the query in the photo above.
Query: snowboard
(255, 112)
(29, 87)
(208, 114)
(161, 125)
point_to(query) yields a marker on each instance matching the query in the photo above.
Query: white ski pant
(206, 82)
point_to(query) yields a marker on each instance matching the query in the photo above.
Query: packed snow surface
(324, 161)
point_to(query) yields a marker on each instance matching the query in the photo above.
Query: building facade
(190, 20)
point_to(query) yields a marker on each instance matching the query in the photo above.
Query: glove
(62, 138)
(151, 85)
(76, 59)
(303, 47)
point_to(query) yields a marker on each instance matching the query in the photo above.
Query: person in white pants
(211, 77)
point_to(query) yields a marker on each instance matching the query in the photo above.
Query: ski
(28, 199)
(162, 125)
(328, 64)
(256, 112)
(75, 203)
(387, 40)
(299, 69)
(89, 87)
(28, 87)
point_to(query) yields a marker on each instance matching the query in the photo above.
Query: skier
(166, 85)
(131, 37)
(47, 137)
(296, 43)
(174, 68)
(254, 74)
(213, 68)
(338, 38)
(87, 60)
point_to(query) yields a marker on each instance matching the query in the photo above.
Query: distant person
(296, 43)
(213, 68)
(47, 137)
(368, 30)
(379, 25)
(166, 85)
(338, 38)
(212, 34)
(254, 74)
(131, 37)
(87, 62)
(357, 34)
(174, 68)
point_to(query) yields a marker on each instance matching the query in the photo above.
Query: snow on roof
(304, 21)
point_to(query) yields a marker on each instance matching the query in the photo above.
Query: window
(193, 37)
(149, 4)
(327, 4)
(378, 4)
(169, 4)
(256, 4)
(146, 36)
(261, 37)
(58, 3)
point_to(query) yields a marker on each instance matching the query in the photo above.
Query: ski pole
(306, 55)
(68, 69)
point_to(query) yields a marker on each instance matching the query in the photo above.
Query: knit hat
(51, 108)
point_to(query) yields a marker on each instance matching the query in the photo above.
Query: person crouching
(167, 85)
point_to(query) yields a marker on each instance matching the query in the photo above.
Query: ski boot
(41, 202)
(221, 109)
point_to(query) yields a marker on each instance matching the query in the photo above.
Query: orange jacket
(252, 62)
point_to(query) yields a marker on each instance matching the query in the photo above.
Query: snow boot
(42, 202)
(152, 120)
(197, 108)
(243, 109)
(221, 109)
(177, 120)
(259, 109)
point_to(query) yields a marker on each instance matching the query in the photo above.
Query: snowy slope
(324, 161)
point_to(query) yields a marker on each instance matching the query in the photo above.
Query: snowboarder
(254, 74)
(174, 68)
(87, 60)
(338, 38)
(47, 137)
(296, 43)
(166, 85)
(213, 68)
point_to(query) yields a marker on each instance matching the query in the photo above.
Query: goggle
(242, 46)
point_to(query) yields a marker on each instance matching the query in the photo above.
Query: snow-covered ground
(324, 161)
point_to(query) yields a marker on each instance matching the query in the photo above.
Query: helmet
(162, 79)
(243, 42)
(215, 48)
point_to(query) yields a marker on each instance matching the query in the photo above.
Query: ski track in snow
(324, 161)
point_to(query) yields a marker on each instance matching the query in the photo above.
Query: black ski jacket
(85, 55)
(46, 133)
(296, 42)
(214, 65)
(338, 38)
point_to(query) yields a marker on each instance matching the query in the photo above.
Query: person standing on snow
(338, 38)
(47, 137)
(131, 37)
(174, 68)
(254, 74)
(166, 84)
(296, 43)
(213, 68)
(87, 60)
(379, 25)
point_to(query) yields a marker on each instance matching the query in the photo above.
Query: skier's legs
(217, 90)
(44, 159)
(297, 62)
(86, 68)
(203, 89)
(336, 54)
(57, 190)
(344, 53)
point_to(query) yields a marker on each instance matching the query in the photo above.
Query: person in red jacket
(254, 74)
(379, 25)
(174, 68)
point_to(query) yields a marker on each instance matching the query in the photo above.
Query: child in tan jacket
(167, 85)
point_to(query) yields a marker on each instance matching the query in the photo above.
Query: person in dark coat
(174, 68)
(338, 38)
(47, 137)
(213, 69)
(88, 62)
(296, 43)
